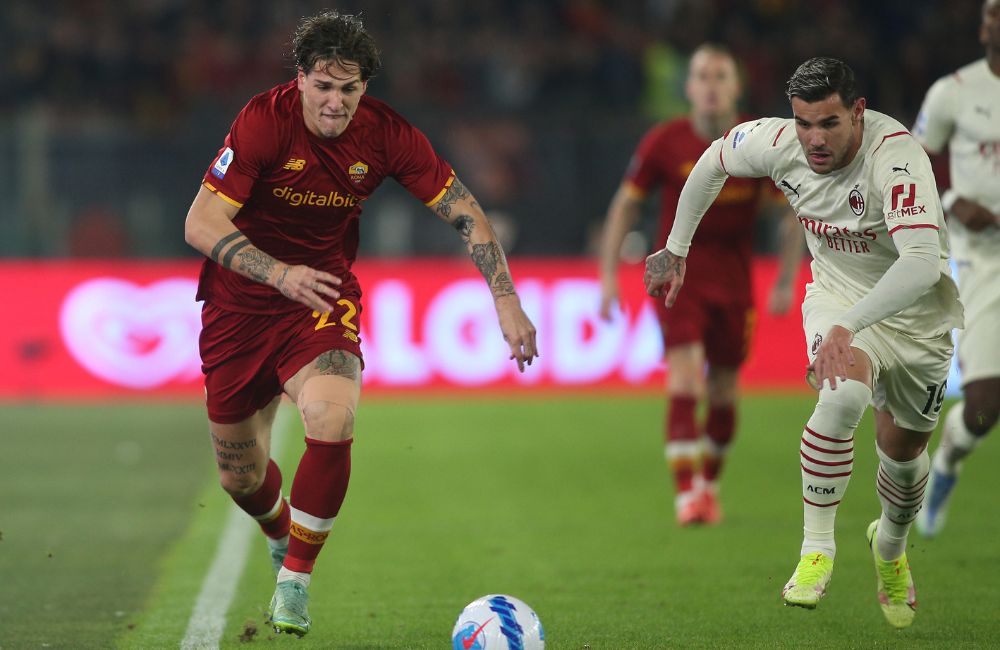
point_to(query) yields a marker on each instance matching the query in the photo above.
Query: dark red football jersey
(300, 195)
(718, 265)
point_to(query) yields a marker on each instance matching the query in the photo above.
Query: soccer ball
(498, 622)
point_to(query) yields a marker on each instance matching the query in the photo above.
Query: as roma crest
(357, 171)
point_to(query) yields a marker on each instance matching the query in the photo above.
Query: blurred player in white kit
(877, 316)
(962, 111)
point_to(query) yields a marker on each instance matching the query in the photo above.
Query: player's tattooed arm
(663, 268)
(299, 283)
(490, 261)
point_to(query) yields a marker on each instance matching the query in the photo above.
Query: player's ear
(364, 86)
(858, 109)
(300, 79)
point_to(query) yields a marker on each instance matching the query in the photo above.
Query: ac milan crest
(857, 202)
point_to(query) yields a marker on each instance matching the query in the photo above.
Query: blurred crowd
(532, 99)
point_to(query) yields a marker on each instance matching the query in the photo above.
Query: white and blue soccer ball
(498, 622)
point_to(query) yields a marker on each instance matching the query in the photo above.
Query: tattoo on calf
(239, 470)
(338, 362)
(217, 250)
(257, 264)
(229, 444)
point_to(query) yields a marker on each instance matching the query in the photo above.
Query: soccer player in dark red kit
(277, 216)
(714, 321)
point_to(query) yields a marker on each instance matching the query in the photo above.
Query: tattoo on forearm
(454, 194)
(464, 224)
(338, 362)
(225, 455)
(227, 261)
(257, 264)
(281, 280)
(487, 259)
(502, 285)
(217, 250)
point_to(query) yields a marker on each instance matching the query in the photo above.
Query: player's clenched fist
(307, 286)
(664, 268)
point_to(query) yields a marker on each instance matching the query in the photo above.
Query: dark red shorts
(247, 358)
(723, 328)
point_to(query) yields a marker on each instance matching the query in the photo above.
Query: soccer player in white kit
(962, 110)
(877, 315)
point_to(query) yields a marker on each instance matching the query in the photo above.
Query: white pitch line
(208, 617)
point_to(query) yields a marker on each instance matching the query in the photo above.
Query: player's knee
(842, 409)
(240, 480)
(325, 420)
(327, 404)
(981, 415)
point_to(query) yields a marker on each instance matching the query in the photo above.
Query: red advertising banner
(130, 328)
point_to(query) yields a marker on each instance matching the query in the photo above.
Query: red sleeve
(644, 171)
(249, 148)
(416, 165)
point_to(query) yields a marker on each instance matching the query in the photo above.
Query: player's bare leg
(902, 477)
(826, 458)
(252, 479)
(326, 392)
(720, 425)
(685, 385)
(965, 426)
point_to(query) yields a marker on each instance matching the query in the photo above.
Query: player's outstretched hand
(517, 330)
(664, 268)
(307, 286)
(833, 357)
(780, 300)
(609, 298)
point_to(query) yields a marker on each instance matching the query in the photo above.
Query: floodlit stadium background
(112, 111)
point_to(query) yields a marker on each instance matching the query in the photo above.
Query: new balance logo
(295, 164)
(902, 169)
(795, 189)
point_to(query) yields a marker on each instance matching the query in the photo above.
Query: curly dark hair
(820, 77)
(331, 36)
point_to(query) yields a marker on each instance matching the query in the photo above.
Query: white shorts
(979, 343)
(909, 374)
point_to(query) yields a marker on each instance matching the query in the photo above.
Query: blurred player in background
(877, 316)
(962, 110)
(713, 319)
(277, 216)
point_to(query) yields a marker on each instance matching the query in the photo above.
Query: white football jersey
(962, 110)
(850, 214)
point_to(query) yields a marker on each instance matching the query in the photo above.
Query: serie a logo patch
(222, 163)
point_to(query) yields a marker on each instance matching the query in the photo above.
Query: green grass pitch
(111, 514)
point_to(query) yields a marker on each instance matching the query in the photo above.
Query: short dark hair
(331, 36)
(820, 77)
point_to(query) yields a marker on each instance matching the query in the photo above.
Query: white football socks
(900, 486)
(957, 442)
(301, 578)
(826, 455)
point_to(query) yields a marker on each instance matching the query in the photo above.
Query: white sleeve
(703, 184)
(745, 151)
(936, 120)
(917, 269)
